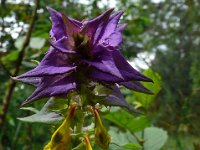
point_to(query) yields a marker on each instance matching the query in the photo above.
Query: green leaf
(154, 138)
(49, 118)
(122, 140)
(156, 86)
(132, 146)
(30, 109)
(47, 114)
(127, 121)
(144, 99)
(57, 104)
(10, 58)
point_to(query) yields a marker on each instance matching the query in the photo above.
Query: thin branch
(12, 84)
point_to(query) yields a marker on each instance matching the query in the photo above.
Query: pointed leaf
(46, 115)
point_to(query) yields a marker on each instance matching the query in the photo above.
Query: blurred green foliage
(170, 30)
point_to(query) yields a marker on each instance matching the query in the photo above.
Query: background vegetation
(163, 35)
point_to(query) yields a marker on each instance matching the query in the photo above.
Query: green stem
(78, 132)
(137, 139)
(80, 123)
(140, 140)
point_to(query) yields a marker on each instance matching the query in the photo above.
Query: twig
(12, 84)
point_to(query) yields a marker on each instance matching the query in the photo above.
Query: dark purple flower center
(82, 47)
(83, 52)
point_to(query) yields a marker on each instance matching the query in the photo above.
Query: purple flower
(81, 53)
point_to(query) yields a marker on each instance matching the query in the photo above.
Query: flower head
(82, 52)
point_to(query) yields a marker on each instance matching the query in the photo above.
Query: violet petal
(52, 86)
(127, 71)
(115, 98)
(111, 25)
(58, 29)
(104, 62)
(136, 86)
(63, 26)
(90, 27)
(115, 39)
(63, 45)
(30, 80)
(100, 76)
(53, 63)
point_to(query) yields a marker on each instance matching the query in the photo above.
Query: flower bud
(61, 138)
(102, 138)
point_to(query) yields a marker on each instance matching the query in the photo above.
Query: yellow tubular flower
(87, 142)
(61, 138)
(102, 138)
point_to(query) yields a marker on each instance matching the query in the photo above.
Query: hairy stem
(80, 123)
